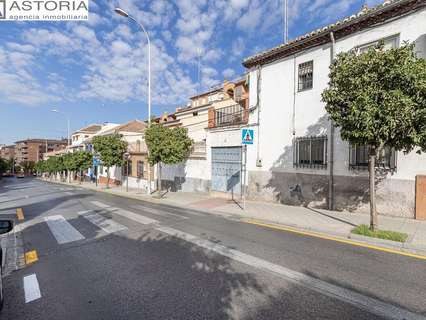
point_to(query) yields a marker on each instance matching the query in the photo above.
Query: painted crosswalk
(160, 212)
(62, 230)
(108, 225)
(125, 213)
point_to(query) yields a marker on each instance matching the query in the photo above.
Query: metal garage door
(226, 170)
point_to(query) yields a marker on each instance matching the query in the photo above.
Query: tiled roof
(93, 128)
(399, 7)
(132, 126)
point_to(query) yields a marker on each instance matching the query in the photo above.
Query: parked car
(5, 227)
(20, 175)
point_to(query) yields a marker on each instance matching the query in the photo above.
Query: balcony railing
(228, 116)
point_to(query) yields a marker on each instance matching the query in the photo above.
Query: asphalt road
(106, 257)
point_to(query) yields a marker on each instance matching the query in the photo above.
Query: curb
(385, 244)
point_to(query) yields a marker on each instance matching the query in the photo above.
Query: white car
(5, 227)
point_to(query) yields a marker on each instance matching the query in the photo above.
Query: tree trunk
(107, 185)
(372, 176)
(159, 178)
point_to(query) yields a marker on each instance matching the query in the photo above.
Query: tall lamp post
(123, 13)
(68, 124)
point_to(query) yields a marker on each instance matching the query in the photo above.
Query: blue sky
(96, 71)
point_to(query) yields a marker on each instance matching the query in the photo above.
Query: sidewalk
(338, 224)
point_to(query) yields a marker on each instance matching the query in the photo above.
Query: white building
(297, 158)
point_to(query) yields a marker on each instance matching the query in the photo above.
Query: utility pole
(285, 21)
(199, 71)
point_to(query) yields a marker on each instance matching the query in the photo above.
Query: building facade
(298, 157)
(7, 152)
(33, 149)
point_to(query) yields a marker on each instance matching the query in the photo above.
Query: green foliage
(3, 166)
(381, 234)
(111, 149)
(379, 97)
(28, 166)
(41, 167)
(166, 145)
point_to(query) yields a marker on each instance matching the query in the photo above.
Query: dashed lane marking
(31, 288)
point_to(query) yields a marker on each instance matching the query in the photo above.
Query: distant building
(7, 152)
(33, 149)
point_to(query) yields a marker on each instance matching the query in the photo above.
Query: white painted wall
(277, 87)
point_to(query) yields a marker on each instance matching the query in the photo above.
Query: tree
(40, 167)
(167, 145)
(111, 150)
(378, 99)
(83, 160)
(3, 167)
(28, 166)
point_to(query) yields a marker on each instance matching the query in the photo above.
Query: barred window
(306, 76)
(310, 152)
(140, 169)
(358, 157)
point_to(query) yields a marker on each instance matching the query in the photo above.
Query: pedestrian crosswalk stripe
(160, 212)
(108, 225)
(62, 230)
(125, 213)
(134, 216)
(100, 204)
(31, 288)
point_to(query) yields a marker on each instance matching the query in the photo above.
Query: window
(310, 152)
(389, 43)
(238, 95)
(358, 158)
(195, 113)
(129, 168)
(140, 169)
(306, 76)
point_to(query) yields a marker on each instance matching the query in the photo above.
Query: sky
(95, 71)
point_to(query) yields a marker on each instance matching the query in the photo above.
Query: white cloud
(228, 73)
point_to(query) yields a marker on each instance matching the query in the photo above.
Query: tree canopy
(167, 145)
(378, 98)
(111, 149)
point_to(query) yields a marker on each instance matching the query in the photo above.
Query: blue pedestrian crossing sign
(247, 136)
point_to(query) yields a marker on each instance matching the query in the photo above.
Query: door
(226, 170)
(421, 198)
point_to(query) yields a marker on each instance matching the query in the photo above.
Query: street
(101, 256)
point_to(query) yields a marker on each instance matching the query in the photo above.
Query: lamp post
(68, 124)
(127, 157)
(123, 13)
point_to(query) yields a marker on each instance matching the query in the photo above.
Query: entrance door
(226, 170)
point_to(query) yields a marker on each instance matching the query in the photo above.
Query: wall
(277, 179)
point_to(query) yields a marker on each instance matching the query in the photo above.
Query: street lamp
(68, 124)
(123, 13)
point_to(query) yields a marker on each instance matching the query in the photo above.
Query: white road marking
(160, 212)
(31, 288)
(100, 204)
(363, 302)
(108, 225)
(69, 193)
(134, 216)
(125, 213)
(62, 230)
